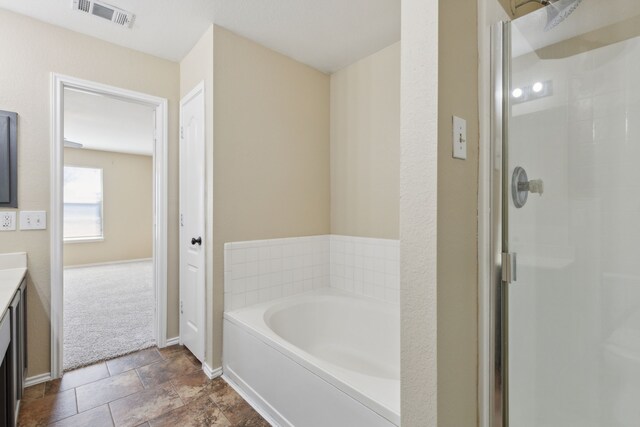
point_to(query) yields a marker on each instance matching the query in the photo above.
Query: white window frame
(92, 239)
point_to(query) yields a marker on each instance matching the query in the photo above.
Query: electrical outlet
(33, 220)
(7, 221)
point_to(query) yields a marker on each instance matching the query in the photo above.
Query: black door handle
(198, 241)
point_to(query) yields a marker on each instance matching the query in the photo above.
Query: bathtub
(318, 359)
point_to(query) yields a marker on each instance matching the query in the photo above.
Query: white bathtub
(323, 358)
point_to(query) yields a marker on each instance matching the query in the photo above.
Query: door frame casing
(199, 88)
(59, 83)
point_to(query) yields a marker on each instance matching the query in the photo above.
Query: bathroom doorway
(108, 223)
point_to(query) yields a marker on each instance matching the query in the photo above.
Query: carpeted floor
(108, 312)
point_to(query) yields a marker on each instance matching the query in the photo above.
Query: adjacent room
(109, 292)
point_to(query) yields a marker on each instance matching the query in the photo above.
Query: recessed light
(517, 92)
(537, 87)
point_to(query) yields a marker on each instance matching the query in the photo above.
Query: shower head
(557, 10)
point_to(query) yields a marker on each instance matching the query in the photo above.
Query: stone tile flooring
(149, 388)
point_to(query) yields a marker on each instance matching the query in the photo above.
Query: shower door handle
(509, 267)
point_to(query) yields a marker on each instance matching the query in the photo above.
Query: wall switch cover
(33, 220)
(459, 138)
(7, 221)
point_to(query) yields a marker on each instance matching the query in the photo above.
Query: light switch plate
(7, 221)
(33, 220)
(459, 138)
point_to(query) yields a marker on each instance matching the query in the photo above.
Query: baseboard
(255, 400)
(211, 373)
(37, 379)
(101, 264)
(172, 341)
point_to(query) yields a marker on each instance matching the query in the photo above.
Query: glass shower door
(573, 217)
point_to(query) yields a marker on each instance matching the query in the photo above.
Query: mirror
(8, 159)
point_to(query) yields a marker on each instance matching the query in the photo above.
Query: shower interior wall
(576, 308)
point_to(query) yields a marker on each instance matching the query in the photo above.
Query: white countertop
(13, 268)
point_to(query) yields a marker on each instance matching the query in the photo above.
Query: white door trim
(160, 194)
(199, 88)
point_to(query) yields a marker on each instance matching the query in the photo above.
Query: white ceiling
(164, 28)
(108, 124)
(326, 34)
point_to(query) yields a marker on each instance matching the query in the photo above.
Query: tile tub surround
(365, 266)
(264, 270)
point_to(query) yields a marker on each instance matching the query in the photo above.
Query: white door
(192, 221)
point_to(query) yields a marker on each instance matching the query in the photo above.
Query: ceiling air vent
(105, 11)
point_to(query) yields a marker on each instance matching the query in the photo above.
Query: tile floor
(153, 387)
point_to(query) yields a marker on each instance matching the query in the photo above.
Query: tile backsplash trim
(264, 270)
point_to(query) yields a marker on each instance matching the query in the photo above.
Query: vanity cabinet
(18, 342)
(6, 404)
(13, 353)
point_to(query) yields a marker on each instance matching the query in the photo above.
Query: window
(82, 203)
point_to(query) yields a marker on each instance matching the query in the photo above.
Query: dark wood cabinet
(18, 337)
(13, 353)
(5, 413)
(7, 408)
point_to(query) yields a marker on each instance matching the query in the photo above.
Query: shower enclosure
(566, 217)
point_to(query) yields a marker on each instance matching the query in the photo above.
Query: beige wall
(457, 216)
(509, 7)
(197, 67)
(31, 51)
(271, 155)
(365, 146)
(506, 4)
(418, 215)
(127, 181)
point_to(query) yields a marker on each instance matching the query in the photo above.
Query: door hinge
(181, 132)
(181, 220)
(181, 305)
(509, 267)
